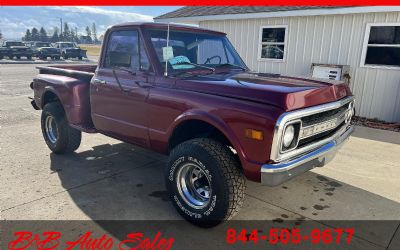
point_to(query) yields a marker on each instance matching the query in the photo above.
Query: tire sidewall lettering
(193, 213)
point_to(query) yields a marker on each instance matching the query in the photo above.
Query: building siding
(330, 39)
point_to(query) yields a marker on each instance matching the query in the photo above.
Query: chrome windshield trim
(278, 156)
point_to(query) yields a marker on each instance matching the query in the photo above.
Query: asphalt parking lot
(110, 180)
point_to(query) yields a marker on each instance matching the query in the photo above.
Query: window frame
(260, 43)
(365, 46)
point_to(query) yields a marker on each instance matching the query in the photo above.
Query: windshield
(15, 44)
(68, 45)
(188, 50)
(42, 44)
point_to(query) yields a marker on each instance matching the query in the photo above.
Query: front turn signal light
(254, 134)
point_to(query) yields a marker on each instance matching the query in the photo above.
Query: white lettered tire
(205, 181)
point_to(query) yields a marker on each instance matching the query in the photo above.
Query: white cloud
(14, 21)
(113, 13)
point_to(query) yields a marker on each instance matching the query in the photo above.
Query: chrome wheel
(51, 129)
(194, 185)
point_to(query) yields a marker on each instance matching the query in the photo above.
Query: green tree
(55, 38)
(73, 35)
(94, 33)
(35, 34)
(66, 33)
(28, 35)
(76, 35)
(88, 33)
(1, 35)
(42, 35)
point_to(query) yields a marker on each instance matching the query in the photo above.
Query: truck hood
(288, 93)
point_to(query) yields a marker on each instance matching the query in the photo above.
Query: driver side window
(123, 50)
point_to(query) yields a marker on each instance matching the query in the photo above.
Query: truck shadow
(121, 188)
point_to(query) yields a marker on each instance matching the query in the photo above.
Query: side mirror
(119, 59)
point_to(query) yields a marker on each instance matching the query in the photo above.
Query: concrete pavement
(107, 179)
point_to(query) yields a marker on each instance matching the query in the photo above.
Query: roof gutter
(292, 13)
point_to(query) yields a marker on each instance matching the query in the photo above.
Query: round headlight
(288, 136)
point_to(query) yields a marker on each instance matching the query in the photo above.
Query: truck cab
(70, 50)
(185, 92)
(16, 49)
(43, 50)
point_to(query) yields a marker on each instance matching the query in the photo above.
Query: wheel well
(196, 129)
(49, 97)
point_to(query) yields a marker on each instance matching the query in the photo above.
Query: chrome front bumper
(277, 173)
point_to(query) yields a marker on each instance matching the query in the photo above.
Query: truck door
(120, 89)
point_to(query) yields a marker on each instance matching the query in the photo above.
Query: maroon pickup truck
(185, 92)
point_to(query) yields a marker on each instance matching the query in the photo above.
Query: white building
(288, 40)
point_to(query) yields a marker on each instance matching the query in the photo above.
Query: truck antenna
(166, 52)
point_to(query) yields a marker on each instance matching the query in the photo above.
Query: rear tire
(58, 135)
(205, 182)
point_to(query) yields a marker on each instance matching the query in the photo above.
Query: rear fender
(74, 97)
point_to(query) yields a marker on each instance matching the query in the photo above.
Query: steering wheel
(210, 58)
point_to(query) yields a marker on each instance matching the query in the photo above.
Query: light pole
(61, 25)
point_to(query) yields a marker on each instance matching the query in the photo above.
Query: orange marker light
(254, 134)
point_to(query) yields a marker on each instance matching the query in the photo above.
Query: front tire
(58, 135)
(205, 182)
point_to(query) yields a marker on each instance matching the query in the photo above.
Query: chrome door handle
(98, 81)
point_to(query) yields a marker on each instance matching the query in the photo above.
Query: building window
(273, 41)
(382, 46)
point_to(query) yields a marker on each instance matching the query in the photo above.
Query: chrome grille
(324, 116)
(318, 125)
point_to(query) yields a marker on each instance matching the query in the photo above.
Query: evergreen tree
(88, 33)
(66, 33)
(55, 38)
(35, 34)
(28, 35)
(1, 35)
(94, 33)
(73, 35)
(42, 35)
(76, 35)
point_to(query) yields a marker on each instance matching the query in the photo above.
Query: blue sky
(145, 10)
(14, 21)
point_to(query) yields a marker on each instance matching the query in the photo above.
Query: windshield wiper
(232, 65)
